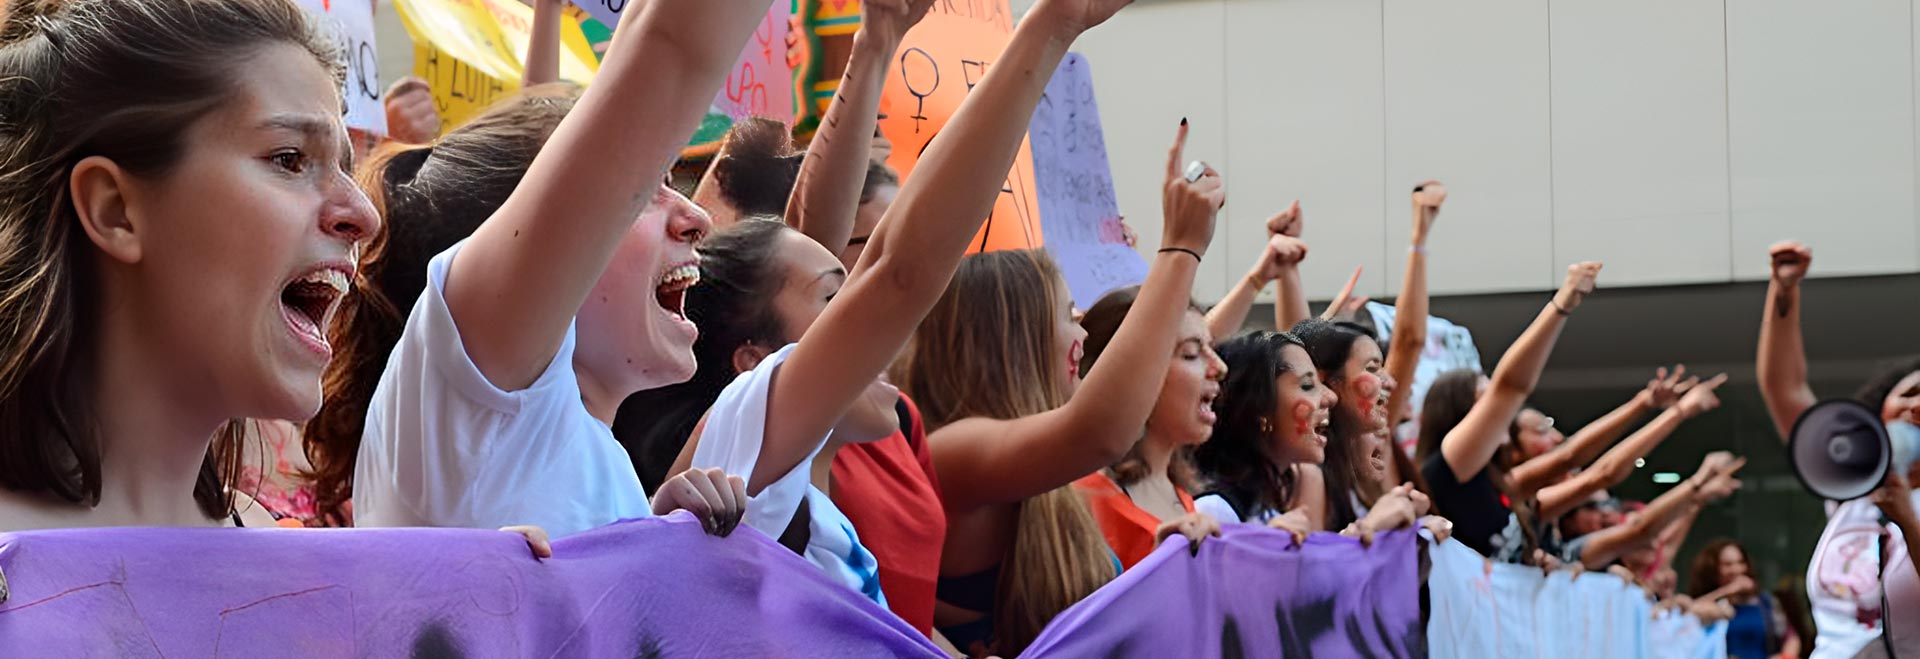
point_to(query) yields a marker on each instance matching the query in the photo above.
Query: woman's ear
(748, 356)
(99, 190)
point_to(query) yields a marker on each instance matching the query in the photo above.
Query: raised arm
(919, 243)
(1588, 442)
(1782, 362)
(542, 64)
(1713, 482)
(826, 195)
(1410, 308)
(1614, 467)
(1025, 457)
(1290, 300)
(514, 288)
(1281, 256)
(1471, 445)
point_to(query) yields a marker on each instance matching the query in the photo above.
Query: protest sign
(351, 22)
(1078, 210)
(938, 63)
(472, 52)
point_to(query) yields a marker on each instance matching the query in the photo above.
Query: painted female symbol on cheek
(1368, 385)
(1302, 417)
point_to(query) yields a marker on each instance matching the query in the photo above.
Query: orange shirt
(887, 488)
(1128, 528)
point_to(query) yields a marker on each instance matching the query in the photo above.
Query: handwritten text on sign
(940, 61)
(760, 82)
(352, 25)
(1077, 204)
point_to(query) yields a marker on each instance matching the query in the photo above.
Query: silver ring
(1195, 170)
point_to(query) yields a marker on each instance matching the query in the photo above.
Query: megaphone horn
(1840, 450)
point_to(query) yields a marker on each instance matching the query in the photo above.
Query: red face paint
(1302, 417)
(1368, 386)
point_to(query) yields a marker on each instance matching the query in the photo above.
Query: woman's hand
(1295, 524)
(1580, 282)
(536, 539)
(1195, 526)
(411, 116)
(1397, 509)
(1440, 527)
(1188, 207)
(717, 499)
(1427, 199)
(1895, 498)
(1791, 260)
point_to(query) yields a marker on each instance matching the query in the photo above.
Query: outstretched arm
(826, 195)
(542, 64)
(1280, 258)
(991, 461)
(1713, 482)
(916, 248)
(1471, 445)
(1614, 467)
(515, 287)
(1782, 363)
(1410, 308)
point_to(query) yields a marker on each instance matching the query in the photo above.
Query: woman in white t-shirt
(495, 403)
(1844, 578)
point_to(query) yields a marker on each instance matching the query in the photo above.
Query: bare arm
(1280, 258)
(826, 195)
(1410, 308)
(543, 50)
(1471, 445)
(990, 461)
(1714, 482)
(514, 288)
(1782, 362)
(1614, 467)
(1661, 393)
(918, 245)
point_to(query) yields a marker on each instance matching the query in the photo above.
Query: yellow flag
(472, 52)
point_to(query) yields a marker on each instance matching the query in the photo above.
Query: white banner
(352, 23)
(1512, 611)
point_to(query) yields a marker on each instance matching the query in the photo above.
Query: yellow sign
(472, 52)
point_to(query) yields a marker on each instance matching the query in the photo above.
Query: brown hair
(1102, 321)
(124, 80)
(1706, 567)
(429, 198)
(987, 349)
(758, 166)
(1451, 396)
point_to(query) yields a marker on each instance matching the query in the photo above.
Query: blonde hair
(987, 350)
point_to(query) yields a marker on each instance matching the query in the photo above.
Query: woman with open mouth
(496, 401)
(179, 224)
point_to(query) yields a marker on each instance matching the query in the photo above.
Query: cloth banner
(352, 24)
(647, 588)
(1253, 593)
(1514, 612)
(1078, 210)
(655, 587)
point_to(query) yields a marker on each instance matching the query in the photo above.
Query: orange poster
(940, 60)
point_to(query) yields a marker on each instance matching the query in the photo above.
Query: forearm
(1290, 301)
(1409, 327)
(542, 64)
(1225, 318)
(1782, 362)
(826, 194)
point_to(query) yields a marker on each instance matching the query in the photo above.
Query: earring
(1266, 427)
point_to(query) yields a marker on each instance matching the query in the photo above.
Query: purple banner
(647, 588)
(1251, 593)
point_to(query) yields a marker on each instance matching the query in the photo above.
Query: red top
(1128, 527)
(887, 488)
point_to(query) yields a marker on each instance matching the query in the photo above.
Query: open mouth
(308, 302)
(671, 292)
(1206, 408)
(1320, 428)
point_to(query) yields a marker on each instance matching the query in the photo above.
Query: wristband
(1418, 249)
(1559, 309)
(1183, 250)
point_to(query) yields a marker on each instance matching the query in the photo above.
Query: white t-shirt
(444, 447)
(1217, 507)
(1843, 582)
(736, 429)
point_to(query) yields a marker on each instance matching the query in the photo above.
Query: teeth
(682, 276)
(330, 278)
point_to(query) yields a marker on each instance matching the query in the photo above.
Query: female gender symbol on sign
(920, 97)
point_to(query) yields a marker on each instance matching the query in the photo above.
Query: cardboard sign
(472, 52)
(352, 24)
(1078, 208)
(938, 63)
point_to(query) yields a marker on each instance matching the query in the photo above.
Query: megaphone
(1841, 450)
